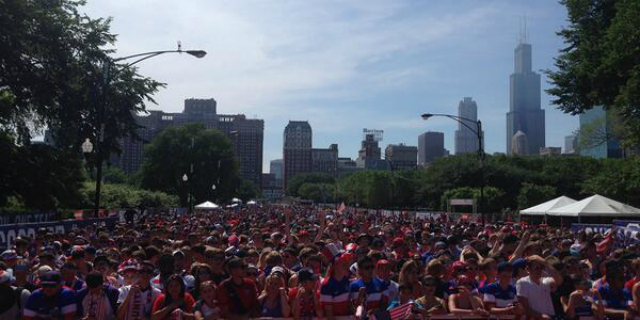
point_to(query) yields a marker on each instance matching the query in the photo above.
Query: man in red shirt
(238, 295)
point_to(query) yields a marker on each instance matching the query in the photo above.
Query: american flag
(401, 311)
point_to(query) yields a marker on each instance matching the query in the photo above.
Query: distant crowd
(306, 261)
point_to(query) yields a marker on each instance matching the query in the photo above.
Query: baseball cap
(306, 274)
(50, 278)
(9, 255)
(505, 266)
(278, 269)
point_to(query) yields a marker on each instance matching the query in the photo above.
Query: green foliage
(298, 180)
(121, 196)
(600, 65)
(532, 194)
(617, 179)
(247, 191)
(171, 154)
(318, 192)
(493, 198)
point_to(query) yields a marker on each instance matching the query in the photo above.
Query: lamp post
(185, 179)
(213, 187)
(106, 66)
(478, 132)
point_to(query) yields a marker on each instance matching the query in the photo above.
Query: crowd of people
(305, 262)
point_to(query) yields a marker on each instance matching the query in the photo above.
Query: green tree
(532, 194)
(298, 180)
(175, 150)
(617, 179)
(51, 76)
(600, 65)
(116, 196)
(318, 192)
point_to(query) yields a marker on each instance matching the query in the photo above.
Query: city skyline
(345, 67)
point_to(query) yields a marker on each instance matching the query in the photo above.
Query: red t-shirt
(187, 307)
(308, 308)
(247, 295)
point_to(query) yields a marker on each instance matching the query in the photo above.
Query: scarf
(138, 306)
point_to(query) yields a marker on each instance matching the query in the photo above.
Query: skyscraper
(525, 113)
(519, 143)
(276, 168)
(430, 147)
(297, 155)
(369, 155)
(466, 139)
(325, 160)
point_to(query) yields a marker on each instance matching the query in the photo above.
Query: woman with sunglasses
(175, 303)
(136, 300)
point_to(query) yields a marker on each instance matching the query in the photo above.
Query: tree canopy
(600, 65)
(173, 152)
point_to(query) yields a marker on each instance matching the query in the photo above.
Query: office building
(597, 123)
(297, 154)
(550, 151)
(430, 147)
(525, 113)
(346, 166)
(270, 187)
(466, 139)
(401, 156)
(571, 144)
(519, 144)
(325, 161)
(276, 167)
(246, 135)
(369, 155)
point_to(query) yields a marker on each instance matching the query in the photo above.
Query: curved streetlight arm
(460, 120)
(151, 54)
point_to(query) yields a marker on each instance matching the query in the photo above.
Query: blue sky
(344, 65)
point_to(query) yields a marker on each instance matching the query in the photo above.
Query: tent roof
(207, 205)
(543, 208)
(596, 206)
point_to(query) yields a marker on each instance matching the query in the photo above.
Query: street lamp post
(213, 187)
(478, 132)
(106, 66)
(185, 179)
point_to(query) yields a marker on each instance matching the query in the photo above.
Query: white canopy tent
(236, 200)
(596, 206)
(543, 208)
(251, 202)
(207, 205)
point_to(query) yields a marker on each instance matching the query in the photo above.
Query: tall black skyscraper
(525, 113)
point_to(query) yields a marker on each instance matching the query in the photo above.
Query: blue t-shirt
(620, 300)
(375, 290)
(41, 306)
(501, 297)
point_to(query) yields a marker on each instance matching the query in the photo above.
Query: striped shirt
(335, 293)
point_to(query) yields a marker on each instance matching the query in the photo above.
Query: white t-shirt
(141, 306)
(538, 296)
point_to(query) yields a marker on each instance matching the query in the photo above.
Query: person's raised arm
(284, 303)
(521, 246)
(322, 218)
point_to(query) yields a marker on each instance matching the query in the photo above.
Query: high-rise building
(325, 160)
(346, 166)
(276, 168)
(430, 147)
(297, 154)
(571, 144)
(369, 155)
(519, 143)
(525, 113)
(597, 122)
(467, 139)
(246, 135)
(401, 156)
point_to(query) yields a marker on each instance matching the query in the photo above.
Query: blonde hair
(402, 279)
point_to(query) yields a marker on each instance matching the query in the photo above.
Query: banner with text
(8, 233)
